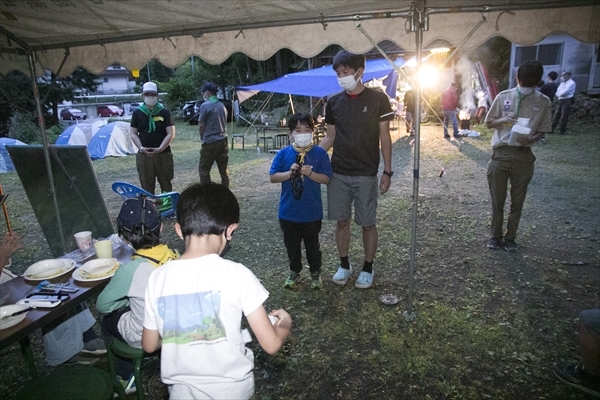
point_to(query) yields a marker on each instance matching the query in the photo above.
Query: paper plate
(389, 299)
(12, 321)
(99, 267)
(48, 269)
(82, 276)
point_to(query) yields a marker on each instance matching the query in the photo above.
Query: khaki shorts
(343, 190)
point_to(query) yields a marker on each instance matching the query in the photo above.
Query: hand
(10, 243)
(509, 119)
(306, 170)
(384, 183)
(284, 319)
(294, 168)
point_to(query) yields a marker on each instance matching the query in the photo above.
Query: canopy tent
(6, 164)
(112, 140)
(34, 36)
(320, 82)
(99, 33)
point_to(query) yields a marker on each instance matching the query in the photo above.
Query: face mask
(563, 78)
(525, 90)
(150, 100)
(302, 139)
(348, 83)
(225, 249)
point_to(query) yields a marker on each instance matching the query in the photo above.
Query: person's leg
(566, 111)
(589, 341)
(370, 239)
(454, 118)
(222, 161)
(365, 207)
(497, 177)
(339, 208)
(164, 170)
(110, 329)
(292, 238)
(207, 159)
(446, 119)
(342, 237)
(145, 170)
(520, 175)
(63, 339)
(310, 234)
(557, 114)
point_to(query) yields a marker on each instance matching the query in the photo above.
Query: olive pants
(515, 165)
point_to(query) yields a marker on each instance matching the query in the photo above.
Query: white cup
(83, 239)
(103, 248)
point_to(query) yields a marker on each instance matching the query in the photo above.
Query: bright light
(439, 50)
(428, 75)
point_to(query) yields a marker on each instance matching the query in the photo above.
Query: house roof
(96, 34)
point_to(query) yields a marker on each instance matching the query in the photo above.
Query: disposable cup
(83, 239)
(103, 248)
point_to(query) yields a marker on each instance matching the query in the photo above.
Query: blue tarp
(6, 164)
(321, 82)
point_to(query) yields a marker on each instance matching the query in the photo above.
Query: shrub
(21, 127)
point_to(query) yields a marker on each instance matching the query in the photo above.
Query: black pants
(293, 235)
(211, 152)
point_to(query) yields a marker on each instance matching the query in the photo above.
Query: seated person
(69, 339)
(139, 224)
(194, 305)
(584, 375)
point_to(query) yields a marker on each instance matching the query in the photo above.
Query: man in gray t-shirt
(212, 127)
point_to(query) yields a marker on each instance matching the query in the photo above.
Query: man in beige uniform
(521, 110)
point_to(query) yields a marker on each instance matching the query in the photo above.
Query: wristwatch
(388, 173)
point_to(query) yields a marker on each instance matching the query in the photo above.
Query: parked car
(110, 111)
(72, 114)
(133, 107)
(191, 110)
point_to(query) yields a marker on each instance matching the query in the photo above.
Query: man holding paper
(519, 116)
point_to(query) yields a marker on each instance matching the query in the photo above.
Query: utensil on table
(23, 311)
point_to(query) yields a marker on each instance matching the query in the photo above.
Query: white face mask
(302, 139)
(150, 100)
(348, 83)
(525, 90)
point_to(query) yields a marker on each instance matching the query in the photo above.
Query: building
(115, 80)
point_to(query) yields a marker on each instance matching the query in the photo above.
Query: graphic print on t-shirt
(191, 318)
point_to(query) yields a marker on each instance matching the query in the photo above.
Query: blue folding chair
(165, 202)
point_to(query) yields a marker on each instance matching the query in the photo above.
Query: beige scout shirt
(534, 106)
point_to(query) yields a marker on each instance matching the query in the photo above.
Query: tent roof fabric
(320, 82)
(99, 33)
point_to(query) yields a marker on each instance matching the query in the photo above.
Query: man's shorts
(362, 190)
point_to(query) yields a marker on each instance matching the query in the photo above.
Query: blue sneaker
(342, 275)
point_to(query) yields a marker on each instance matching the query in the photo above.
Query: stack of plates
(97, 269)
(48, 269)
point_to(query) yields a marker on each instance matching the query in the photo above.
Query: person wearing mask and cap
(152, 131)
(565, 94)
(358, 121)
(519, 117)
(212, 124)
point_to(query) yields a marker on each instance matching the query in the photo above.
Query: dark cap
(211, 87)
(139, 216)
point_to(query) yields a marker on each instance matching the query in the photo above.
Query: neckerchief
(302, 151)
(214, 99)
(151, 114)
(157, 255)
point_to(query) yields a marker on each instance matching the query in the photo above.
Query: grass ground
(489, 324)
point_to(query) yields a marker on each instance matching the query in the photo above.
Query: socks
(344, 263)
(89, 335)
(368, 267)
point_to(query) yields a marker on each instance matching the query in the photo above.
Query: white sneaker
(365, 280)
(342, 275)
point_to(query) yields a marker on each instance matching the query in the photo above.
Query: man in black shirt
(152, 131)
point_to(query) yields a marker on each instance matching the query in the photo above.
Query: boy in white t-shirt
(194, 305)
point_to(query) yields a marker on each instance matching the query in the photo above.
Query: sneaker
(128, 385)
(80, 359)
(342, 275)
(510, 245)
(316, 282)
(291, 281)
(365, 280)
(575, 376)
(494, 243)
(95, 346)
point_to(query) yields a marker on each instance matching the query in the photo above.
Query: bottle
(258, 150)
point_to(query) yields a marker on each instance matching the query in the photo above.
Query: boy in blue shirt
(301, 168)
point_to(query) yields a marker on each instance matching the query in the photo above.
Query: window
(546, 54)
(105, 80)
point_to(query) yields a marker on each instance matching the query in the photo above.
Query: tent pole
(420, 25)
(41, 124)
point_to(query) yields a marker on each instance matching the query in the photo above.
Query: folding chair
(165, 202)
